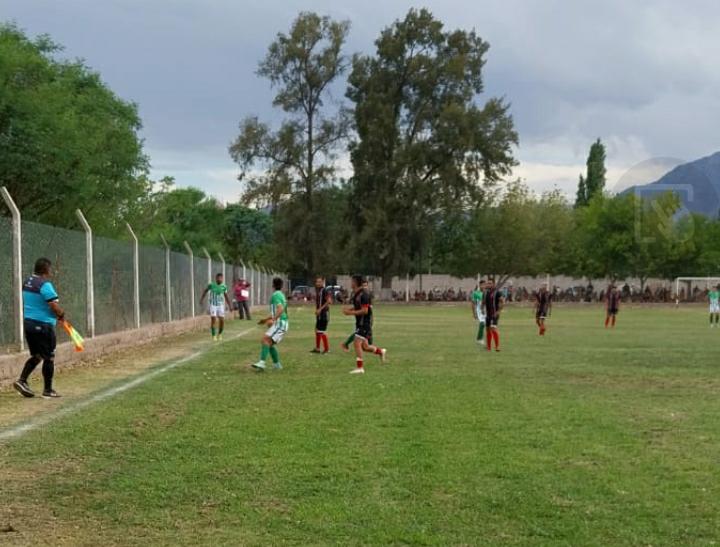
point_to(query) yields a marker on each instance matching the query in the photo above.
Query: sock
(30, 365)
(325, 341)
(359, 362)
(489, 338)
(613, 320)
(264, 352)
(481, 330)
(212, 330)
(317, 340)
(607, 320)
(221, 329)
(496, 337)
(350, 339)
(274, 354)
(378, 351)
(48, 370)
(717, 318)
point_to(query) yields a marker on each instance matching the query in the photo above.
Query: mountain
(697, 183)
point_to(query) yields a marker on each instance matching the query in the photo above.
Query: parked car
(301, 292)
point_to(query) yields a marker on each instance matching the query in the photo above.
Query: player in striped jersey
(218, 298)
(714, 299)
(278, 325)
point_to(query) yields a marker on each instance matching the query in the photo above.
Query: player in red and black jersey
(612, 305)
(543, 304)
(492, 303)
(323, 300)
(363, 336)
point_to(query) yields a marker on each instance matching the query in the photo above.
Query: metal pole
(136, 274)
(168, 287)
(17, 266)
(192, 277)
(209, 268)
(243, 267)
(89, 273)
(407, 287)
(222, 259)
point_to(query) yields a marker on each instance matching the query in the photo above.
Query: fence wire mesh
(114, 287)
(66, 249)
(7, 305)
(201, 283)
(180, 268)
(153, 287)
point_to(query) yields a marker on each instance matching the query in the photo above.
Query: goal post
(707, 281)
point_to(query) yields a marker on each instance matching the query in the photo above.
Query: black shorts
(364, 332)
(492, 321)
(612, 311)
(40, 339)
(541, 314)
(321, 323)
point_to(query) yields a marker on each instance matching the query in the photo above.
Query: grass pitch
(584, 437)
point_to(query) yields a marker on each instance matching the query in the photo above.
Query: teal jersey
(278, 299)
(217, 293)
(714, 297)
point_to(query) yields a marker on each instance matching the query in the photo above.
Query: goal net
(693, 289)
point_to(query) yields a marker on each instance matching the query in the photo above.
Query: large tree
(593, 183)
(425, 148)
(66, 140)
(298, 159)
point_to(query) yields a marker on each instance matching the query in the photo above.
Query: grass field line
(19, 430)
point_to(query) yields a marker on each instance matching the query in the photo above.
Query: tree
(247, 234)
(66, 140)
(593, 183)
(424, 148)
(298, 159)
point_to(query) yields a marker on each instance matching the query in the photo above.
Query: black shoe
(23, 388)
(315, 351)
(51, 394)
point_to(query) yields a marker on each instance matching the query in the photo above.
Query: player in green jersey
(218, 298)
(277, 323)
(476, 299)
(714, 299)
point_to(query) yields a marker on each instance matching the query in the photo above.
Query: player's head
(357, 281)
(319, 281)
(277, 284)
(491, 283)
(43, 266)
(219, 278)
(482, 284)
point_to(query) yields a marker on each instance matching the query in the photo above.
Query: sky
(641, 75)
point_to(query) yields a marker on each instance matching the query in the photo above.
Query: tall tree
(593, 183)
(66, 140)
(298, 159)
(424, 147)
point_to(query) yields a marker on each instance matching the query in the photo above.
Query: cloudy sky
(641, 75)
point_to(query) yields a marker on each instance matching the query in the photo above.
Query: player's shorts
(541, 313)
(365, 333)
(481, 319)
(321, 323)
(613, 311)
(217, 311)
(40, 338)
(492, 321)
(277, 332)
(714, 307)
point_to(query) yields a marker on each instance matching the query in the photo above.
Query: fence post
(192, 277)
(136, 274)
(89, 273)
(17, 276)
(252, 285)
(168, 286)
(209, 268)
(243, 267)
(222, 259)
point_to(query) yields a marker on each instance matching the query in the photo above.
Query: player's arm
(204, 294)
(227, 299)
(473, 307)
(47, 291)
(57, 310)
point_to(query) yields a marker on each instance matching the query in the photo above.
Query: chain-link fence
(109, 297)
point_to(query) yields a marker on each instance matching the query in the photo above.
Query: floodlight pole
(136, 274)
(192, 277)
(17, 279)
(168, 287)
(89, 273)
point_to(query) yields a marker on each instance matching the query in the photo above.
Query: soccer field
(584, 436)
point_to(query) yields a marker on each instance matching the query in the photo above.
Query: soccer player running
(612, 306)
(714, 299)
(218, 298)
(323, 300)
(492, 302)
(543, 305)
(476, 303)
(278, 325)
(42, 312)
(362, 310)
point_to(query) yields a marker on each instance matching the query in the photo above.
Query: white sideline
(23, 428)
